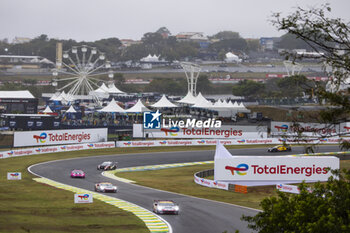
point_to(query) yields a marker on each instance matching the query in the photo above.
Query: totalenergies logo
(63, 147)
(10, 153)
(347, 128)
(127, 143)
(40, 138)
(201, 142)
(90, 145)
(241, 141)
(162, 143)
(16, 174)
(282, 128)
(84, 197)
(172, 131)
(38, 150)
(240, 169)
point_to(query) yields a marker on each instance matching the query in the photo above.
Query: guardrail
(199, 179)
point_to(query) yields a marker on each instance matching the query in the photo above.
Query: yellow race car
(279, 148)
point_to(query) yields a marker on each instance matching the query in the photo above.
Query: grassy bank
(184, 184)
(28, 206)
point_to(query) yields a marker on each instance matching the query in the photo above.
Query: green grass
(184, 184)
(28, 206)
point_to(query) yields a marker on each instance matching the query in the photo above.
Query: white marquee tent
(47, 109)
(188, 99)
(164, 103)
(112, 107)
(138, 107)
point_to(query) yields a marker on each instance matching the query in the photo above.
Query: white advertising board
(53, 149)
(224, 132)
(14, 175)
(55, 137)
(307, 129)
(198, 142)
(345, 128)
(211, 183)
(83, 198)
(277, 168)
(289, 188)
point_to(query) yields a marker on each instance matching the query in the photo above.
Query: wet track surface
(196, 215)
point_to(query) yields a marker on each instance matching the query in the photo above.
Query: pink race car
(77, 174)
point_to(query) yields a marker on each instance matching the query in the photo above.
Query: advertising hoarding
(276, 168)
(307, 129)
(211, 183)
(224, 132)
(83, 198)
(14, 175)
(57, 137)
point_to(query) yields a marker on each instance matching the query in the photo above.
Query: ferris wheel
(81, 68)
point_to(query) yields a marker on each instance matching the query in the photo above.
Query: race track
(196, 215)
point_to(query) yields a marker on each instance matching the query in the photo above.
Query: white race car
(105, 187)
(165, 207)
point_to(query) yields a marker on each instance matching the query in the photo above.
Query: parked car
(105, 187)
(108, 165)
(165, 207)
(77, 174)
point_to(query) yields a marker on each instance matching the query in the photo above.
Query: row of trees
(327, 207)
(152, 43)
(291, 87)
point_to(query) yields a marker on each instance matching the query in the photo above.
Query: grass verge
(28, 206)
(184, 184)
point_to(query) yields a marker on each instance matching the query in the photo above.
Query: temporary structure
(112, 89)
(138, 107)
(164, 103)
(102, 89)
(71, 110)
(47, 109)
(188, 99)
(112, 107)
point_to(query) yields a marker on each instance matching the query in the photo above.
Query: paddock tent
(112, 107)
(71, 110)
(18, 101)
(47, 110)
(138, 107)
(112, 89)
(164, 103)
(188, 99)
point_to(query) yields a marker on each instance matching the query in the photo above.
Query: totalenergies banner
(211, 183)
(54, 149)
(274, 168)
(198, 142)
(57, 137)
(306, 129)
(224, 132)
(345, 128)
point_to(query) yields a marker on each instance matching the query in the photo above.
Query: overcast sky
(90, 20)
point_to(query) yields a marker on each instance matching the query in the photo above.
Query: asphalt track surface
(196, 215)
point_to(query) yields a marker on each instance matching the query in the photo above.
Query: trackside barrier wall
(212, 142)
(199, 179)
(153, 143)
(53, 149)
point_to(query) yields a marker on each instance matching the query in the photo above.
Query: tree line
(167, 47)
